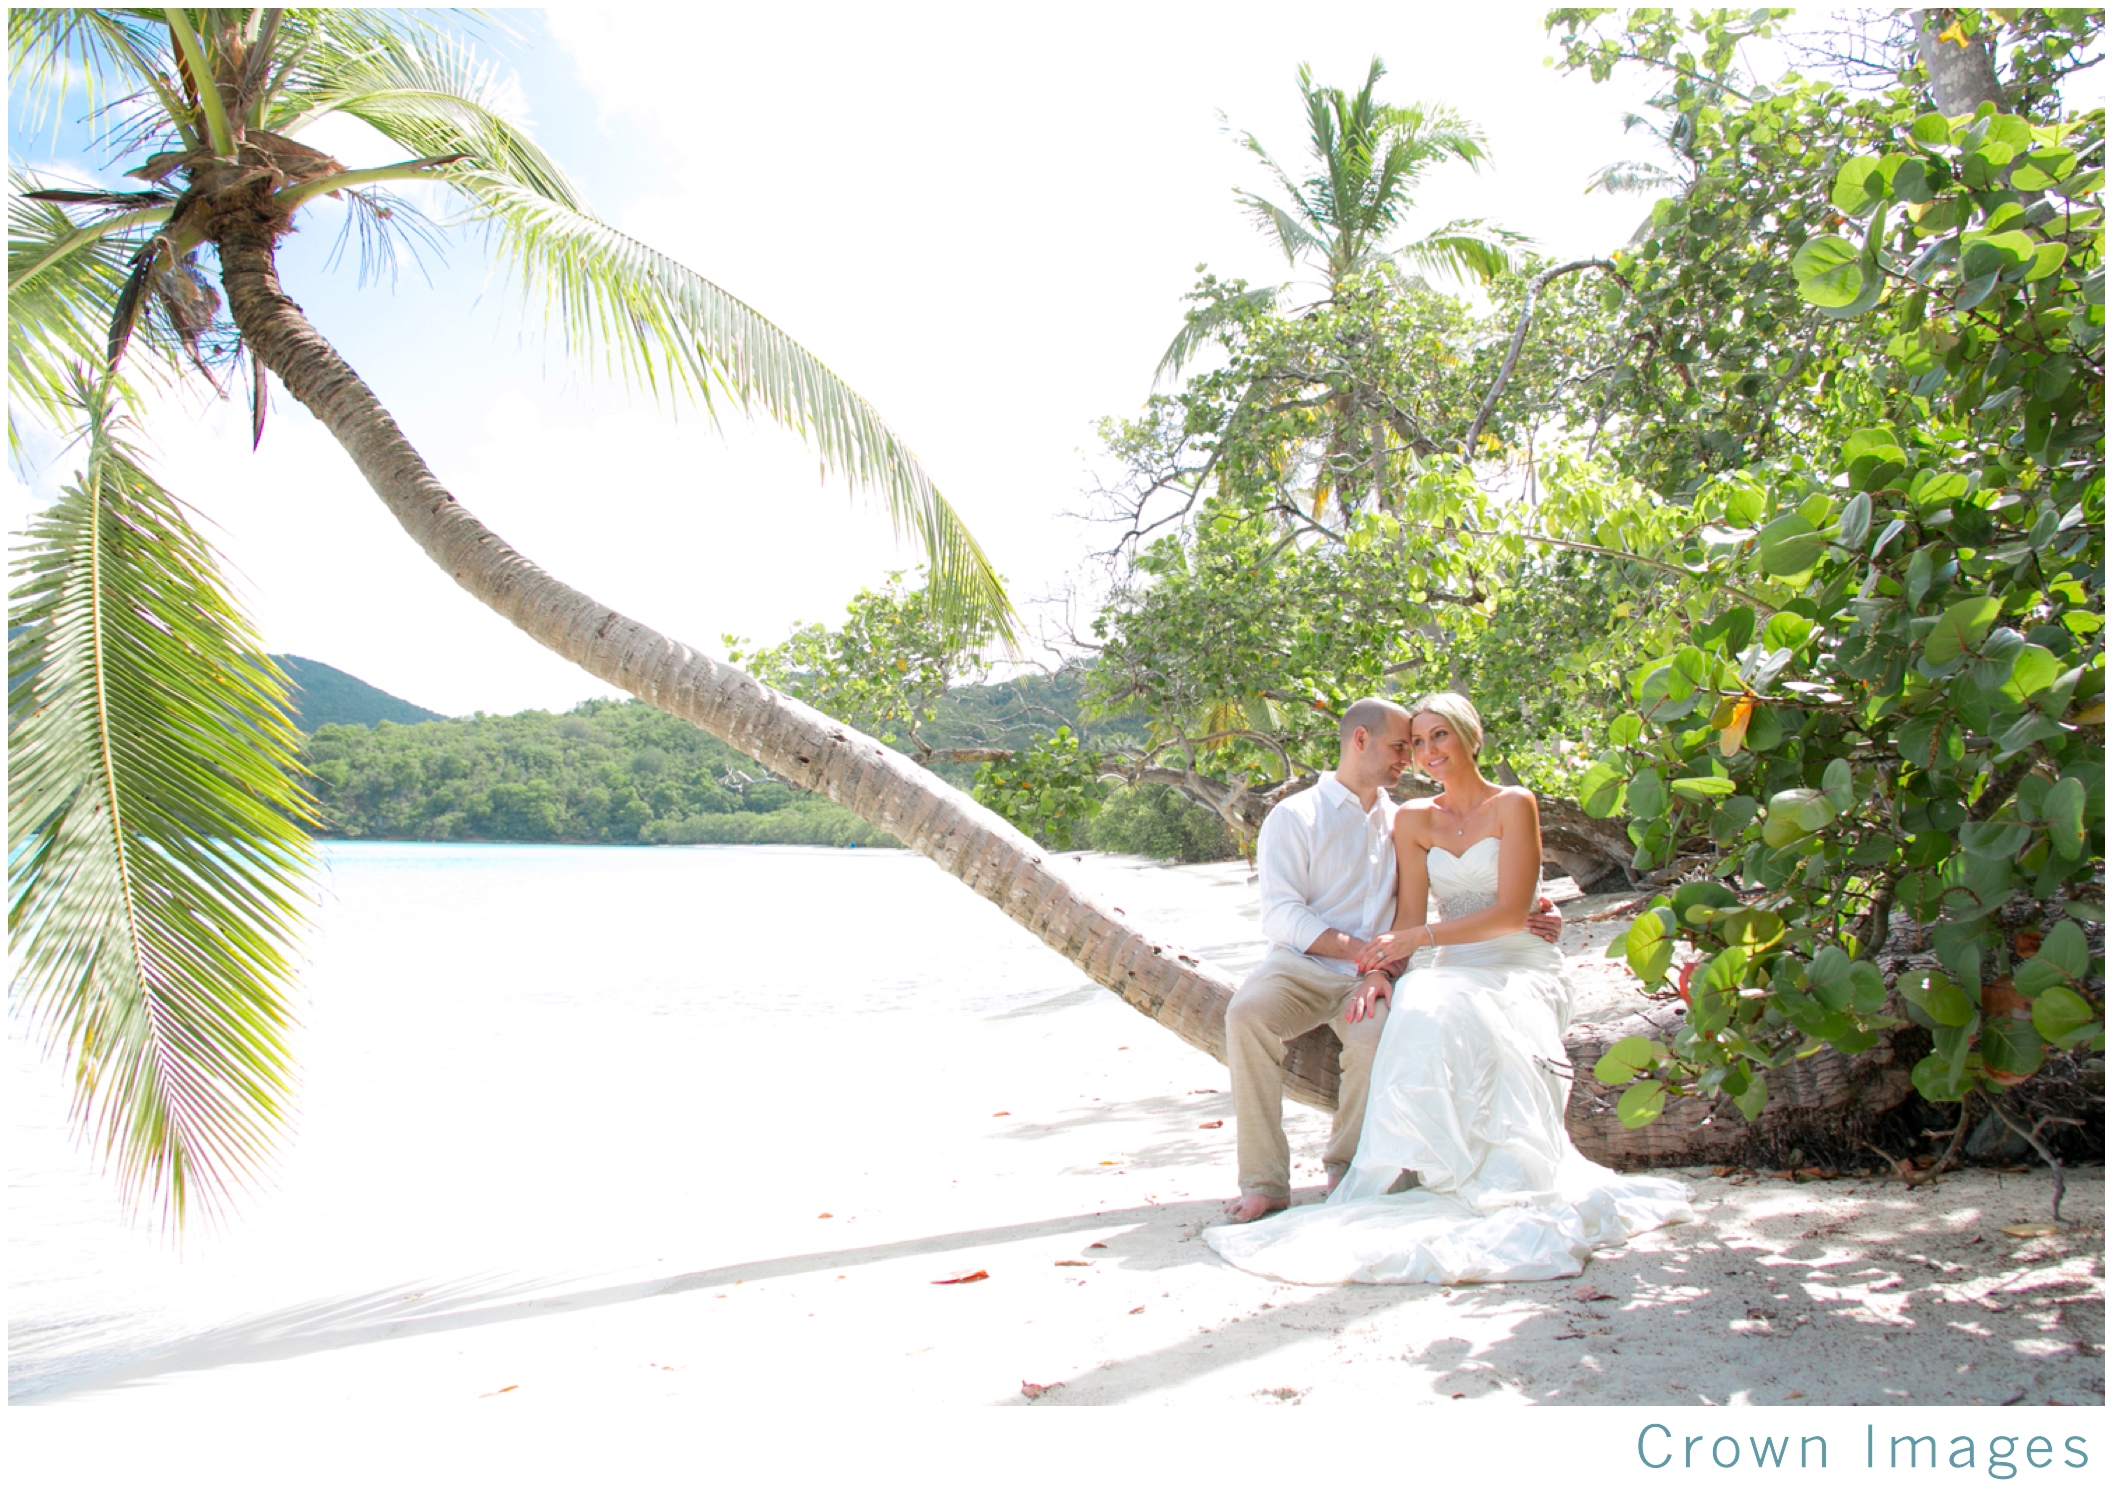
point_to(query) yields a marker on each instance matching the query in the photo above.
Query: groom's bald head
(1370, 715)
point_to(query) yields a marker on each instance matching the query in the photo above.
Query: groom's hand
(1372, 992)
(1544, 921)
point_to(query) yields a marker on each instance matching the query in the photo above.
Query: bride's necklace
(1460, 832)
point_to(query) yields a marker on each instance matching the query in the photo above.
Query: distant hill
(323, 695)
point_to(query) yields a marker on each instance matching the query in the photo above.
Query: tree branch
(1518, 342)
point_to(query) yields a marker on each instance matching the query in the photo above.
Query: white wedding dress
(1468, 1089)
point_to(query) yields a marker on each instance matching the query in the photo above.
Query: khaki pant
(1289, 994)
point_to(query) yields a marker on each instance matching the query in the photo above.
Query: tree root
(1915, 1177)
(2032, 1137)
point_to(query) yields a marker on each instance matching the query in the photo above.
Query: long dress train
(1468, 1089)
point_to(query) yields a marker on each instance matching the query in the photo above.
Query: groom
(1325, 865)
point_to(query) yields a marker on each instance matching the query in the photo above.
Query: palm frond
(142, 714)
(1204, 323)
(1291, 234)
(104, 51)
(63, 278)
(661, 321)
(1465, 247)
(1632, 177)
(647, 318)
(427, 92)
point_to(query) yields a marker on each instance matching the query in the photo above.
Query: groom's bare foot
(1253, 1206)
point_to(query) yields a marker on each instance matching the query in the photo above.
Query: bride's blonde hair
(1457, 712)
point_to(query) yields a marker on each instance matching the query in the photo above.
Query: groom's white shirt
(1324, 862)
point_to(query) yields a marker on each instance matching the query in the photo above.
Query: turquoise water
(525, 1065)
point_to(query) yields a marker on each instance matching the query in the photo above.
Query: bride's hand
(1386, 949)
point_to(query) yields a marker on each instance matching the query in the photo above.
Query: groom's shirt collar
(1330, 788)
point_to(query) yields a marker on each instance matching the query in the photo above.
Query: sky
(984, 218)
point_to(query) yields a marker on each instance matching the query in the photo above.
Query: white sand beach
(1007, 1211)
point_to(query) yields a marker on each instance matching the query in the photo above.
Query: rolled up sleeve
(1283, 854)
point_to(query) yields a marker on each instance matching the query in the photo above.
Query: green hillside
(324, 695)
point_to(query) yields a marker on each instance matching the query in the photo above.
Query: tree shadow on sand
(1918, 1306)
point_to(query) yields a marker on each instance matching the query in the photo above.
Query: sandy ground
(1029, 1218)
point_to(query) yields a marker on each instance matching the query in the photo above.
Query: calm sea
(515, 1066)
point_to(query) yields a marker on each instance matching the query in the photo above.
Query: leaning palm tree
(159, 847)
(1367, 159)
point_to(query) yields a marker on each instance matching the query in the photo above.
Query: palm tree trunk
(805, 747)
(813, 751)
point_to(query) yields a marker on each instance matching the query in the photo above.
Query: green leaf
(1931, 129)
(1859, 184)
(1640, 1104)
(2028, 729)
(1648, 946)
(2034, 671)
(1855, 521)
(1728, 632)
(2064, 1018)
(1707, 896)
(1622, 1062)
(1733, 819)
(1702, 789)
(1626, 730)
(1751, 929)
(1829, 271)
(1960, 629)
(2063, 808)
(1993, 841)
(1873, 458)
(1753, 1099)
(1646, 794)
(1839, 783)
(1935, 1078)
(1794, 813)
(2010, 1045)
(1939, 996)
(161, 869)
(1600, 790)
(1790, 545)
(1786, 631)
(2066, 949)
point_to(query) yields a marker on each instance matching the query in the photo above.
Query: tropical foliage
(608, 772)
(1366, 160)
(159, 850)
(1885, 433)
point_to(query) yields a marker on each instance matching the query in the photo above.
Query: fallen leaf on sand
(1107, 1162)
(964, 1277)
(994, 1115)
(1573, 1334)
(1074, 1263)
(1099, 1245)
(1792, 1396)
(1030, 1391)
(1210, 1125)
(1458, 1395)
(2028, 1231)
(1720, 1172)
(514, 1388)
(1591, 1295)
(825, 1215)
(1140, 1308)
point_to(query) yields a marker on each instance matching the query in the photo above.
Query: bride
(1470, 1079)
